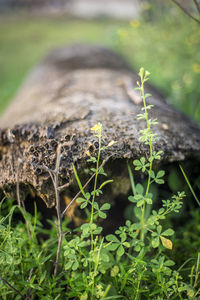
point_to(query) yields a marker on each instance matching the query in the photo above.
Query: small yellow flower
(99, 287)
(134, 23)
(147, 73)
(141, 73)
(97, 127)
(196, 68)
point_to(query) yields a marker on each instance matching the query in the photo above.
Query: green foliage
(168, 46)
(134, 262)
(24, 41)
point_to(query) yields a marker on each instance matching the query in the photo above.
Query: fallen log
(70, 91)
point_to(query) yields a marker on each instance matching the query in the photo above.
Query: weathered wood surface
(64, 96)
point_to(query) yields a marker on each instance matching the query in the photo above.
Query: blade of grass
(104, 183)
(189, 185)
(78, 181)
(131, 180)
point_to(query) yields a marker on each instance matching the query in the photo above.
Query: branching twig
(64, 186)
(197, 5)
(42, 167)
(17, 185)
(60, 232)
(86, 184)
(28, 294)
(54, 174)
(185, 10)
(12, 287)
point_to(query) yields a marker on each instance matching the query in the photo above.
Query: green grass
(141, 260)
(23, 42)
(131, 265)
(168, 47)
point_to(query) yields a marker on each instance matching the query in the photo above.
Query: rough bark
(67, 94)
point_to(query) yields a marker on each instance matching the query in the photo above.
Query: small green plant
(88, 248)
(133, 263)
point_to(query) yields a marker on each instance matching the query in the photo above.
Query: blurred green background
(163, 40)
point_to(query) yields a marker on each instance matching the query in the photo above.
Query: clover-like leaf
(117, 244)
(169, 263)
(139, 189)
(84, 201)
(168, 232)
(135, 198)
(140, 164)
(120, 250)
(159, 229)
(105, 206)
(83, 205)
(102, 215)
(99, 211)
(159, 181)
(140, 202)
(155, 242)
(92, 159)
(160, 174)
(80, 200)
(166, 243)
(112, 238)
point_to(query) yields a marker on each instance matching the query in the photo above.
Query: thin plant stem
(131, 180)
(12, 287)
(95, 180)
(54, 174)
(17, 185)
(197, 5)
(150, 141)
(151, 153)
(189, 185)
(58, 210)
(28, 294)
(93, 198)
(85, 185)
(106, 291)
(138, 287)
(96, 267)
(186, 12)
(197, 272)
